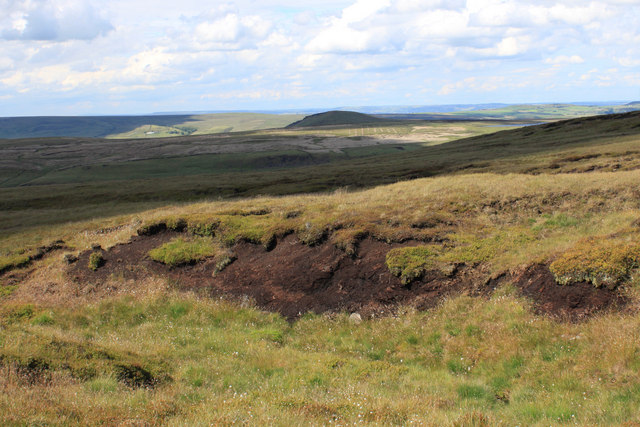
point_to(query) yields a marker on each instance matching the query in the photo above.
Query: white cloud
(250, 94)
(52, 20)
(486, 84)
(564, 59)
(347, 34)
(628, 61)
(340, 50)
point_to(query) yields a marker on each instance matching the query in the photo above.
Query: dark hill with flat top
(332, 118)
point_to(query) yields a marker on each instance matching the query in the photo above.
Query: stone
(355, 318)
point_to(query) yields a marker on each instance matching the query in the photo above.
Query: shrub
(96, 260)
(600, 261)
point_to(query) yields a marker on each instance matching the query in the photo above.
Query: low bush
(601, 261)
(96, 260)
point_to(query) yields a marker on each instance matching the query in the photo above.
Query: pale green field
(205, 124)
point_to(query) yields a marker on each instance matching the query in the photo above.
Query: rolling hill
(335, 118)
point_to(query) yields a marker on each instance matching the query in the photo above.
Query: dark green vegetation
(197, 165)
(334, 118)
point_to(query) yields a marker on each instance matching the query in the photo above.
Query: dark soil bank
(294, 278)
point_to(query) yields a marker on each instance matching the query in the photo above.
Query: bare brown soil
(574, 301)
(294, 278)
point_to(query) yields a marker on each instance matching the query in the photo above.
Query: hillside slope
(602, 143)
(503, 289)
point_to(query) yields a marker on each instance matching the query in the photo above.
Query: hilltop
(336, 118)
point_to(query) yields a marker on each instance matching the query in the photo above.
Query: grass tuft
(96, 260)
(181, 251)
(410, 263)
(601, 261)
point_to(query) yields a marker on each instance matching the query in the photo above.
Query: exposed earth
(294, 278)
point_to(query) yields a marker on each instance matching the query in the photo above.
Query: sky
(86, 57)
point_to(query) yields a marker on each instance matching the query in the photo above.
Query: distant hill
(331, 118)
(155, 126)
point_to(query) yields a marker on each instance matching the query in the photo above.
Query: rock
(96, 247)
(355, 318)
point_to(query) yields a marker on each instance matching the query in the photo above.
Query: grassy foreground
(183, 361)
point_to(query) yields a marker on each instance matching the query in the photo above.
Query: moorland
(390, 272)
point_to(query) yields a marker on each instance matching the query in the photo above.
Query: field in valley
(421, 272)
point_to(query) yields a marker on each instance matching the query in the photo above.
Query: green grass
(15, 260)
(7, 290)
(180, 251)
(180, 360)
(412, 262)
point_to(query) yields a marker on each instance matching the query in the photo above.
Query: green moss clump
(203, 227)
(603, 262)
(96, 260)
(410, 263)
(180, 251)
(262, 229)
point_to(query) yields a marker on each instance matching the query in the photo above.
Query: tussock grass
(502, 221)
(180, 251)
(96, 260)
(410, 263)
(212, 362)
(603, 261)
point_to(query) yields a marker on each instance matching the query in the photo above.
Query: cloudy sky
(75, 57)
